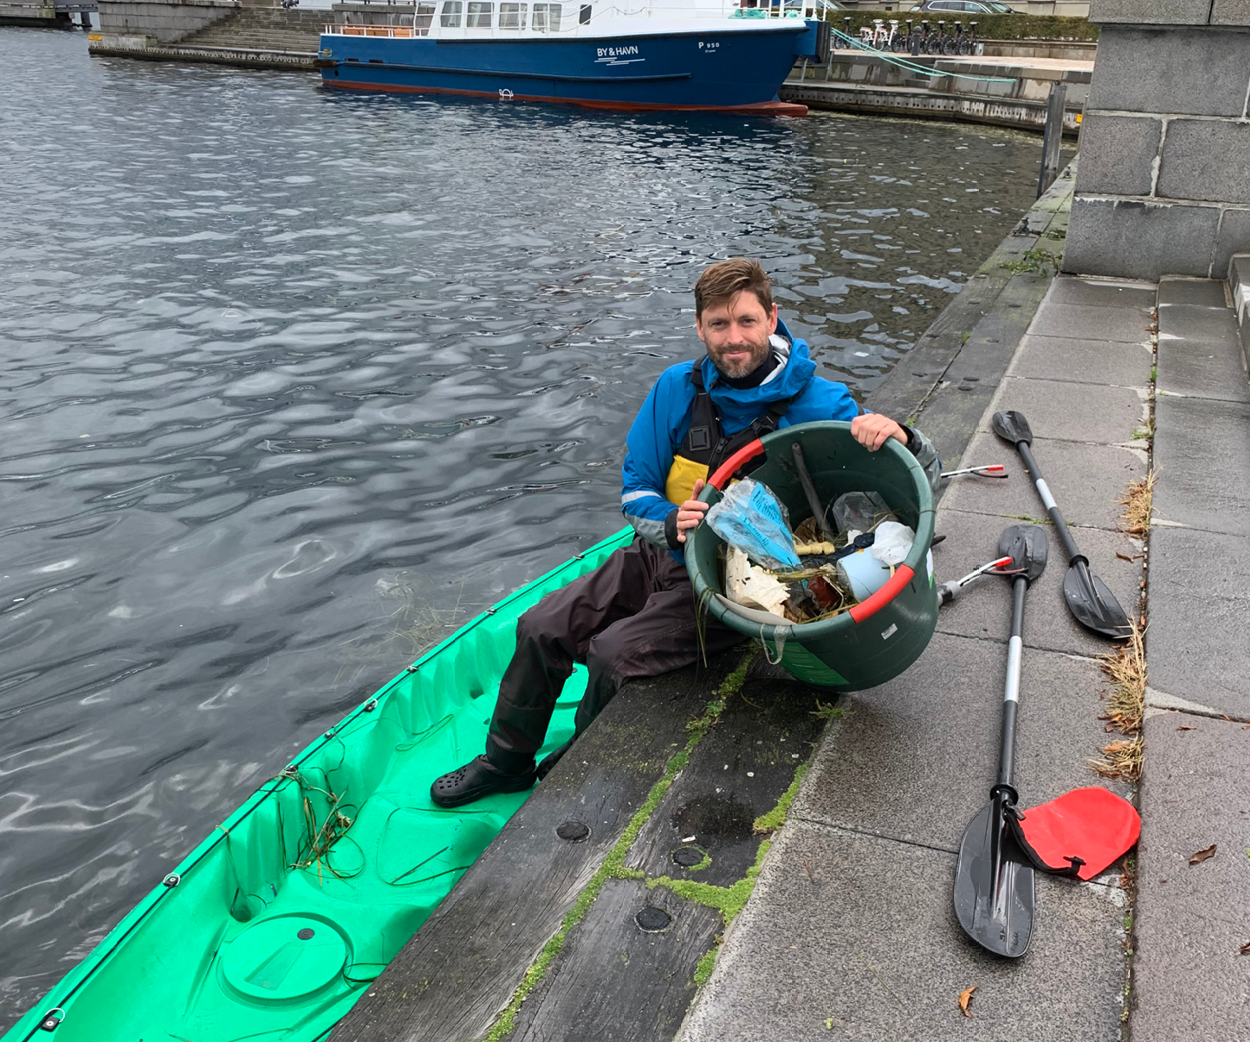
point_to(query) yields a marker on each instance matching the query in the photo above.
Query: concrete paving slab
(1203, 368)
(1195, 322)
(1109, 362)
(1196, 645)
(1117, 293)
(1206, 293)
(985, 606)
(1086, 480)
(914, 759)
(1191, 920)
(868, 948)
(1085, 322)
(1202, 456)
(1072, 412)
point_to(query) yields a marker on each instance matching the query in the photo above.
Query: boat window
(583, 16)
(451, 14)
(546, 17)
(479, 15)
(512, 16)
(424, 18)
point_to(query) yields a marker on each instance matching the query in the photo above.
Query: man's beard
(736, 370)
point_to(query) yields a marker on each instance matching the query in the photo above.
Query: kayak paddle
(993, 876)
(1092, 605)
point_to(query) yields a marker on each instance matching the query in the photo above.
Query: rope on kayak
(919, 70)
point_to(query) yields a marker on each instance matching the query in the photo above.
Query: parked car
(963, 7)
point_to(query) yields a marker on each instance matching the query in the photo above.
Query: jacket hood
(740, 405)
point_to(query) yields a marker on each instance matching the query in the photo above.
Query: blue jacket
(653, 474)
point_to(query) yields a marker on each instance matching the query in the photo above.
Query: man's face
(736, 333)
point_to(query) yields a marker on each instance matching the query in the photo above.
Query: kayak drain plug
(305, 934)
(688, 857)
(573, 831)
(653, 920)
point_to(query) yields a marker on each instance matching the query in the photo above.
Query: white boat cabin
(512, 19)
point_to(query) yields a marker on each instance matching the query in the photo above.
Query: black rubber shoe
(551, 759)
(476, 779)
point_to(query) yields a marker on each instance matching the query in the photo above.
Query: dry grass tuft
(1120, 759)
(1137, 505)
(1125, 667)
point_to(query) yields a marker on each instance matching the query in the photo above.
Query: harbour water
(292, 382)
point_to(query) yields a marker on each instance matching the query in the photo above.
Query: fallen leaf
(965, 999)
(1108, 727)
(1202, 855)
(1186, 727)
(1245, 948)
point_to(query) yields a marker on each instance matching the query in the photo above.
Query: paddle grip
(1052, 508)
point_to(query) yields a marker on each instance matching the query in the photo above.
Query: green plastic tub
(880, 637)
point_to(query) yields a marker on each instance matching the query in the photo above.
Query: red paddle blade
(1093, 825)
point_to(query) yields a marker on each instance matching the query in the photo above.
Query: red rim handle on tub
(901, 577)
(730, 467)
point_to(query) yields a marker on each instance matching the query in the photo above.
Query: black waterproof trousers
(633, 616)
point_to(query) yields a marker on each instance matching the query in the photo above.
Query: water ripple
(295, 381)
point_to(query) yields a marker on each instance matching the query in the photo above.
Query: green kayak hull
(275, 924)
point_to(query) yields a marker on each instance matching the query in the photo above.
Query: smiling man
(634, 616)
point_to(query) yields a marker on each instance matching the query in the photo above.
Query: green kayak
(272, 927)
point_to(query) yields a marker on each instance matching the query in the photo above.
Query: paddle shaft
(1011, 690)
(1056, 516)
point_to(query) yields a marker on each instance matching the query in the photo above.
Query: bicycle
(969, 43)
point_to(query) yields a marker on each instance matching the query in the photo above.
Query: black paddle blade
(994, 885)
(1092, 604)
(1027, 547)
(1013, 427)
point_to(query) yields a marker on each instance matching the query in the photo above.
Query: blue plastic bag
(751, 518)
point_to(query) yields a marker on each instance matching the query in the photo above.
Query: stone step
(1239, 284)
(305, 42)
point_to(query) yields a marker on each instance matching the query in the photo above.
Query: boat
(693, 55)
(273, 926)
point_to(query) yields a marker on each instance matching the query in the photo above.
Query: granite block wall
(1163, 185)
(167, 21)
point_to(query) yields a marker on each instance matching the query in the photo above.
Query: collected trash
(860, 511)
(751, 518)
(813, 573)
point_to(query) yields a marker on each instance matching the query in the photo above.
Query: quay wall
(162, 22)
(33, 14)
(1164, 181)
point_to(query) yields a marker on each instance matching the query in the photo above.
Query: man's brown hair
(725, 279)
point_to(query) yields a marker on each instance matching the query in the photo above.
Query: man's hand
(872, 431)
(690, 513)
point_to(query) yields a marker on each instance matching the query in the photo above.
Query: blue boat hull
(714, 70)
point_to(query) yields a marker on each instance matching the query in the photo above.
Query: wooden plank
(737, 773)
(460, 969)
(615, 983)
